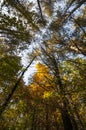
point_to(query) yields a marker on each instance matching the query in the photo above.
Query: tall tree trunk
(66, 120)
(73, 120)
(64, 110)
(5, 104)
(47, 118)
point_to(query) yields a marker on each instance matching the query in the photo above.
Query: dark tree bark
(47, 118)
(66, 120)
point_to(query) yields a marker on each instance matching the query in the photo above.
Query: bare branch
(40, 9)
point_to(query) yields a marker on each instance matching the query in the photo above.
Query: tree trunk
(47, 118)
(64, 110)
(66, 120)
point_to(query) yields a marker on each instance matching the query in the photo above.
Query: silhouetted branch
(40, 9)
(78, 6)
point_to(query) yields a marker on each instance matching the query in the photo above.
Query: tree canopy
(53, 34)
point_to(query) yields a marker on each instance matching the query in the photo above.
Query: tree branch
(40, 9)
(78, 6)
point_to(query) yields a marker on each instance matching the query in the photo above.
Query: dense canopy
(52, 35)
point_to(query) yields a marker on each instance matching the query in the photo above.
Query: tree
(54, 31)
(44, 90)
(9, 68)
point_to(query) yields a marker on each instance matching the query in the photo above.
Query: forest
(42, 64)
